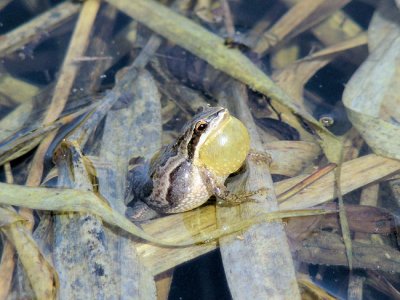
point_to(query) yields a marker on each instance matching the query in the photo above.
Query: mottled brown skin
(177, 180)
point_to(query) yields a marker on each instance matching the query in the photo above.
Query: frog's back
(185, 189)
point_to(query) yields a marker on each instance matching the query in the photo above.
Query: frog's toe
(242, 197)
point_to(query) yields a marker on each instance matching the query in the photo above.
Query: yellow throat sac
(225, 151)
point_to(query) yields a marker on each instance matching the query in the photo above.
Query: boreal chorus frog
(185, 174)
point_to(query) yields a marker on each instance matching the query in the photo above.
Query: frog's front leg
(224, 196)
(260, 157)
(227, 198)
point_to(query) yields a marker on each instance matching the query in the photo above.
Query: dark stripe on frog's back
(158, 198)
(177, 193)
(172, 177)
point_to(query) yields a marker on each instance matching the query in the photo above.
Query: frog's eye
(201, 126)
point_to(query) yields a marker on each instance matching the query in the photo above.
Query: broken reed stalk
(7, 259)
(286, 24)
(335, 28)
(6, 269)
(40, 273)
(44, 286)
(77, 47)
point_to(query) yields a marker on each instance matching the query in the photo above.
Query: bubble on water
(326, 120)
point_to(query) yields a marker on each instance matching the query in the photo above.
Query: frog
(183, 175)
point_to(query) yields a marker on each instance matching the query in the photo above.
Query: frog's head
(216, 140)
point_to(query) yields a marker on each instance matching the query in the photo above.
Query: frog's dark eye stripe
(201, 126)
(193, 143)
